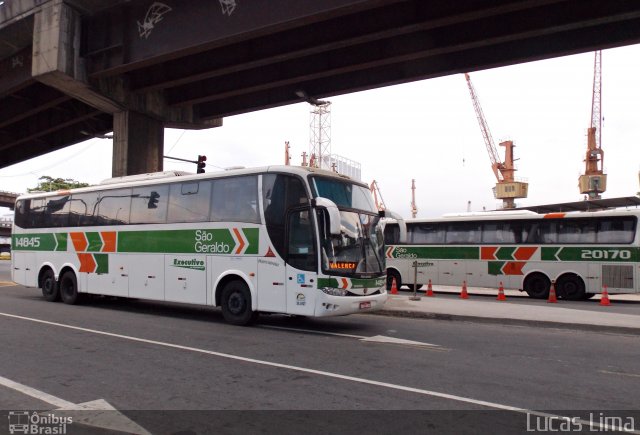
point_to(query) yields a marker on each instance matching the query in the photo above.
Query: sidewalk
(482, 306)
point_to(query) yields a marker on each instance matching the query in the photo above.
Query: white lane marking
(311, 331)
(374, 339)
(40, 395)
(633, 375)
(327, 374)
(97, 413)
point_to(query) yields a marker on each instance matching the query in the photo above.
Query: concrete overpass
(73, 69)
(8, 199)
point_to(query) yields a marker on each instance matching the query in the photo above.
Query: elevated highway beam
(72, 69)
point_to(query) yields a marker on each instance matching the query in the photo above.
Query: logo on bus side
(189, 264)
(204, 242)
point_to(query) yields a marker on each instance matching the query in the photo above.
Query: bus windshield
(344, 194)
(358, 250)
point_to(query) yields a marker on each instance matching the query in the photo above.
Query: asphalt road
(175, 368)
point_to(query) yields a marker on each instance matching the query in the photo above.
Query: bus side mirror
(402, 226)
(334, 214)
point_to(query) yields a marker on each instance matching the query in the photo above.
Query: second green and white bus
(285, 239)
(580, 251)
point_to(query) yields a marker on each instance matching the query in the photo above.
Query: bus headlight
(334, 291)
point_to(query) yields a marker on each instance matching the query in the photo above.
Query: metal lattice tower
(320, 136)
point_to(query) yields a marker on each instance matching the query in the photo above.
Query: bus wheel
(49, 286)
(570, 287)
(537, 286)
(236, 304)
(391, 274)
(69, 288)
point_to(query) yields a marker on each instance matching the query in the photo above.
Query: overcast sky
(427, 131)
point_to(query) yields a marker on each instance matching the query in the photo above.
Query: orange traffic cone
(394, 288)
(463, 293)
(553, 299)
(604, 299)
(501, 296)
(429, 290)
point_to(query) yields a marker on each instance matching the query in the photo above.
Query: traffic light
(201, 164)
(153, 199)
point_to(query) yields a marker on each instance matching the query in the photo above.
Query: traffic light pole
(200, 162)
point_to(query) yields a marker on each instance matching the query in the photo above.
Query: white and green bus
(284, 239)
(581, 252)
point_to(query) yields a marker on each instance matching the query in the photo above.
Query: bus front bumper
(327, 305)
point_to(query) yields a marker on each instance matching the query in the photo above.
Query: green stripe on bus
(252, 235)
(495, 267)
(94, 242)
(61, 239)
(102, 262)
(211, 241)
(33, 242)
(505, 253)
(438, 252)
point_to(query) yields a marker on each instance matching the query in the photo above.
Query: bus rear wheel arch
(391, 274)
(235, 300)
(69, 287)
(570, 287)
(537, 285)
(49, 285)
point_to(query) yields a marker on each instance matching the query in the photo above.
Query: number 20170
(606, 254)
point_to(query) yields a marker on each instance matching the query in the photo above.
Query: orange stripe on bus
(87, 263)
(554, 215)
(79, 241)
(109, 241)
(524, 253)
(488, 252)
(237, 233)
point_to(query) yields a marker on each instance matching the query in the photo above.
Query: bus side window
(113, 207)
(235, 200)
(616, 230)
(548, 232)
(57, 211)
(149, 204)
(300, 249)
(189, 202)
(83, 209)
(21, 218)
(577, 231)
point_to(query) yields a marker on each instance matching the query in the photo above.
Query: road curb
(507, 321)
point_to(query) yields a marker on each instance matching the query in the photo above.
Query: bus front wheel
(49, 286)
(236, 304)
(537, 286)
(69, 288)
(570, 287)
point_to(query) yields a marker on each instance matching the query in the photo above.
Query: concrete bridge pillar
(138, 143)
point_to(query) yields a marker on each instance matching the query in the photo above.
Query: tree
(50, 184)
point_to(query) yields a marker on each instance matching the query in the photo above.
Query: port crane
(377, 196)
(594, 180)
(414, 207)
(507, 188)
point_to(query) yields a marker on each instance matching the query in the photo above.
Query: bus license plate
(365, 305)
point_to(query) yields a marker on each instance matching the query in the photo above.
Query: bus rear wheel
(570, 287)
(69, 288)
(49, 286)
(537, 286)
(236, 304)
